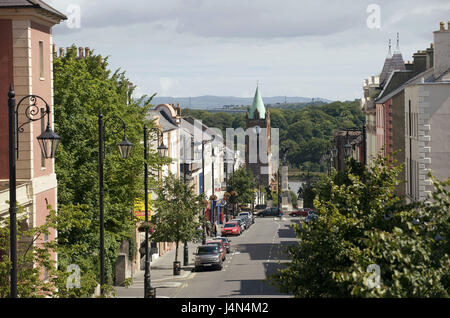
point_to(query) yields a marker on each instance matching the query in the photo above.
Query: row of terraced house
(26, 65)
(407, 109)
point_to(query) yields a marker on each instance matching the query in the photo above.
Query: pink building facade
(26, 59)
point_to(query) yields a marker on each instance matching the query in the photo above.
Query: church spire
(258, 105)
(397, 49)
(393, 62)
(389, 52)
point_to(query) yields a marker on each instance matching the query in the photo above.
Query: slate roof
(395, 80)
(427, 75)
(392, 63)
(166, 124)
(38, 4)
(445, 77)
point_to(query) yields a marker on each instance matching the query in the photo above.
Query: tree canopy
(83, 88)
(177, 212)
(307, 130)
(368, 243)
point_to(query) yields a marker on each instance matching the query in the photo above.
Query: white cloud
(199, 47)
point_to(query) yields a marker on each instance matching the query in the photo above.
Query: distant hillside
(307, 130)
(208, 102)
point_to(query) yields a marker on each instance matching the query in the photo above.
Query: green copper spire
(257, 105)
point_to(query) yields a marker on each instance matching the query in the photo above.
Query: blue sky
(209, 47)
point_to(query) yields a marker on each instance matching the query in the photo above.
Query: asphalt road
(255, 255)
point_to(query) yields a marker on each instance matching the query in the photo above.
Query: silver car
(249, 215)
(208, 256)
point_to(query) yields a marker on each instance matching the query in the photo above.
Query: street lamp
(232, 197)
(279, 179)
(48, 142)
(124, 149)
(334, 152)
(186, 179)
(163, 150)
(257, 131)
(203, 142)
(149, 291)
(213, 206)
(347, 150)
(225, 160)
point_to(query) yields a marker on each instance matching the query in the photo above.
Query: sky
(183, 48)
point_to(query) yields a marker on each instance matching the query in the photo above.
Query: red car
(219, 243)
(301, 212)
(231, 228)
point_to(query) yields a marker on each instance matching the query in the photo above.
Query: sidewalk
(161, 272)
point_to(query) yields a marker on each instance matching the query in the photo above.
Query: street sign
(139, 208)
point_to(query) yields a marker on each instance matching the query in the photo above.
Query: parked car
(241, 223)
(249, 215)
(246, 209)
(246, 220)
(311, 217)
(260, 207)
(226, 242)
(219, 244)
(270, 212)
(231, 228)
(208, 256)
(300, 212)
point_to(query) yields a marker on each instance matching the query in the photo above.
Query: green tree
(177, 213)
(33, 259)
(38, 273)
(363, 223)
(243, 183)
(83, 88)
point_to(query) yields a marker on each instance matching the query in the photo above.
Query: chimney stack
(87, 52)
(61, 52)
(441, 50)
(80, 52)
(55, 53)
(420, 62)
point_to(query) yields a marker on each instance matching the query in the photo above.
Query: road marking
(273, 242)
(168, 285)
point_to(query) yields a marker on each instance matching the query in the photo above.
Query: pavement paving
(161, 273)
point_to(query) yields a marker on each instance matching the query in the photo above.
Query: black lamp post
(203, 142)
(149, 291)
(279, 178)
(48, 141)
(186, 178)
(213, 205)
(226, 207)
(231, 199)
(124, 149)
